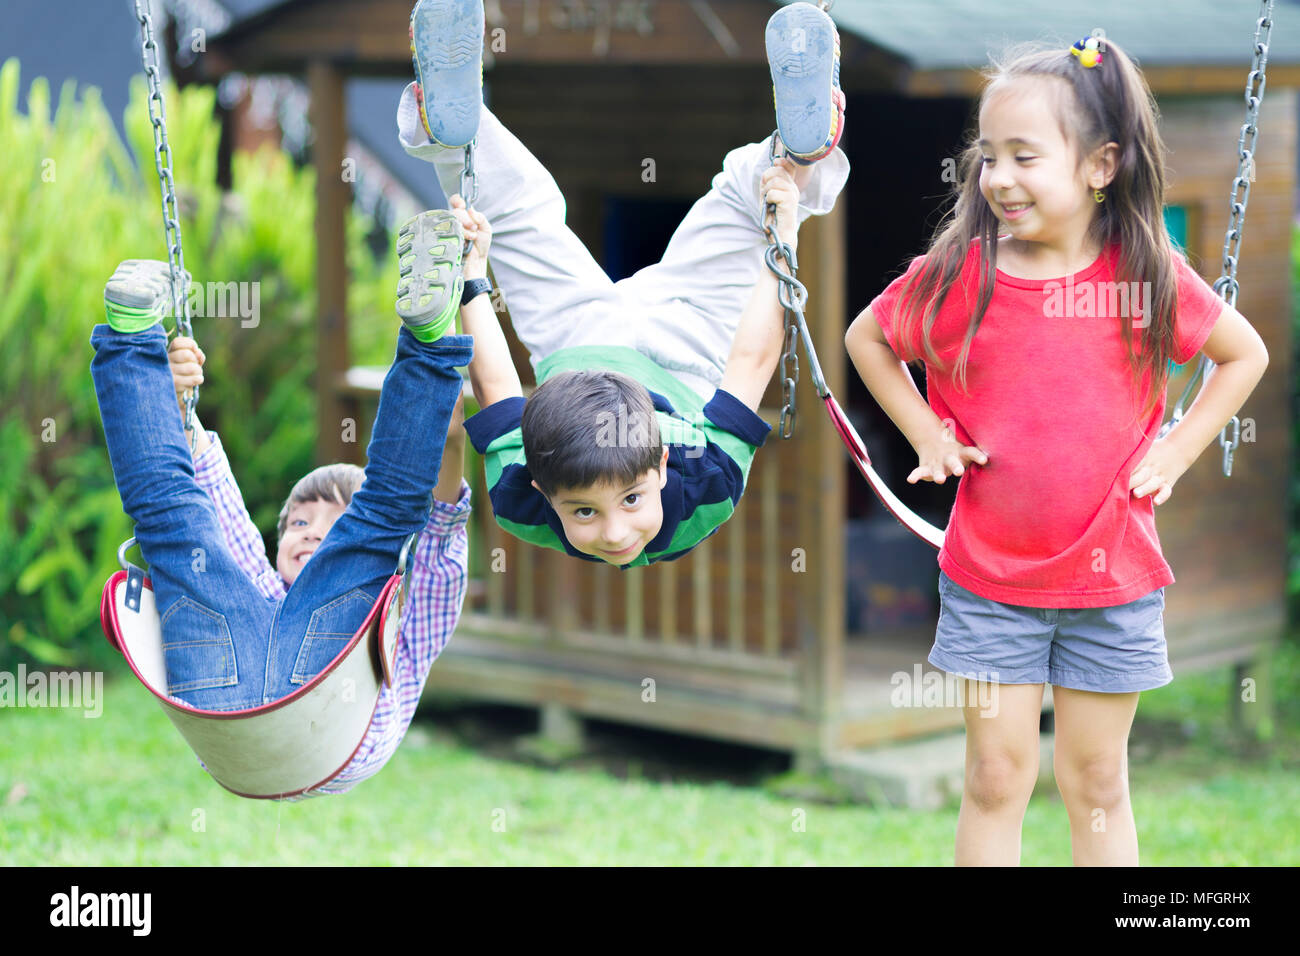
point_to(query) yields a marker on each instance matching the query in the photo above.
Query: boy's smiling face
(613, 522)
(307, 524)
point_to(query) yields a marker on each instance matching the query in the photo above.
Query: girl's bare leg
(1001, 768)
(1091, 765)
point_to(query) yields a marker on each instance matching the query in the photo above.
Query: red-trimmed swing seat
(283, 748)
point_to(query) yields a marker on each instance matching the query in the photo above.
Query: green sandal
(429, 252)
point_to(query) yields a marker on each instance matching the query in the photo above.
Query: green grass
(123, 789)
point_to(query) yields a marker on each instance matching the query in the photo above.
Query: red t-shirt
(1050, 521)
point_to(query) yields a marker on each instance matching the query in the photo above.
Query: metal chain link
(793, 297)
(166, 185)
(1226, 285)
(468, 177)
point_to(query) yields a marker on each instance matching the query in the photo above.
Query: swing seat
(283, 748)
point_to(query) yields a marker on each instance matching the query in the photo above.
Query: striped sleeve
(713, 455)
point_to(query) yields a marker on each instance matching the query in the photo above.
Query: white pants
(681, 312)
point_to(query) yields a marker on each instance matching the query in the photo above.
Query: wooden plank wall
(595, 131)
(372, 38)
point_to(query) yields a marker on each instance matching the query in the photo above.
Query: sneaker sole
(447, 54)
(803, 54)
(430, 283)
(139, 288)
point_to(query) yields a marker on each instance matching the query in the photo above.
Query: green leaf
(8, 95)
(47, 652)
(43, 569)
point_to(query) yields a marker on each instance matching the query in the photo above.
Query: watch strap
(473, 288)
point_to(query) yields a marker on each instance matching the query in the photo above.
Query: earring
(1098, 195)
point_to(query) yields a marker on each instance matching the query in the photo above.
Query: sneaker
(430, 283)
(447, 53)
(803, 52)
(138, 295)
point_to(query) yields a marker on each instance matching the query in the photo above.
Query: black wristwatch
(474, 287)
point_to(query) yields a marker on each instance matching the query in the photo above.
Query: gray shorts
(1114, 650)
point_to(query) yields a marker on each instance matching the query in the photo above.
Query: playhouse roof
(917, 47)
(957, 34)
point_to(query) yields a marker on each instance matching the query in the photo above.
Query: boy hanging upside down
(637, 442)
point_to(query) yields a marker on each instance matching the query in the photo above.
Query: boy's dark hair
(337, 482)
(583, 428)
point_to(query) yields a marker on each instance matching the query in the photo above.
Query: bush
(75, 205)
(1293, 581)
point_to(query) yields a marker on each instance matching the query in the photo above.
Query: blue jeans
(226, 646)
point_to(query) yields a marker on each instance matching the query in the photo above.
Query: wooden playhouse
(785, 628)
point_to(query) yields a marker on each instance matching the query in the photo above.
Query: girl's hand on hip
(942, 455)
(1158, 471)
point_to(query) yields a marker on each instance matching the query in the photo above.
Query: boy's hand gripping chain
(793, 296)
(171, 214)
(1226, 285)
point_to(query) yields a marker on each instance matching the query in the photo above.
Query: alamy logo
(631, 429)
(103, 909)
(224, 300)
(1098, 300)
(63, 689)
(944, 689)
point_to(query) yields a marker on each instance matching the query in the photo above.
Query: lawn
(123, 789)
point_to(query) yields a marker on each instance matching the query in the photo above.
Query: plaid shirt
(439, 578)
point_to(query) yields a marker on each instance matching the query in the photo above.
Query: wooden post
(822, 496)
(831, 280)
(332, 198)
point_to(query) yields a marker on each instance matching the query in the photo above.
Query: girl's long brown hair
(1111, 102)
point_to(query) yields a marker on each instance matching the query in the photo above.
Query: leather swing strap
(793, 296)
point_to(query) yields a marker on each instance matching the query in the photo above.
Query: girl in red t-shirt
(1047, 311)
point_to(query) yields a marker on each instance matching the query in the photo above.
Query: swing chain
(468, 177)
(166, 183)
(793, 297)
(1227, 285)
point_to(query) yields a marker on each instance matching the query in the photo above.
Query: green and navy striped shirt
(710, 448)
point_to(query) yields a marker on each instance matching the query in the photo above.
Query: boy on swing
(637, 442)
(238, 633)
